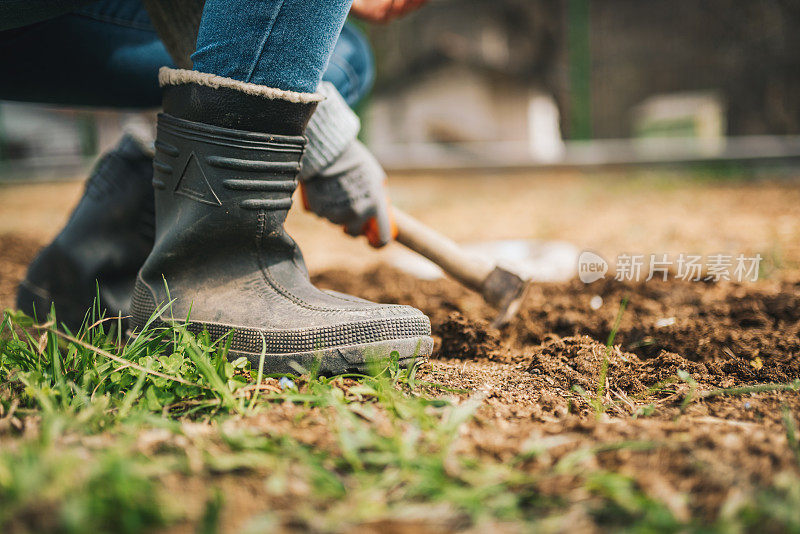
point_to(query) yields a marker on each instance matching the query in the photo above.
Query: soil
(15, 254)
(541, 372)
(723, 334)
(676, 345)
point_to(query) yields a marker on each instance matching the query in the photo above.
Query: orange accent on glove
(372, 231)
(370, 228)
(304, 197)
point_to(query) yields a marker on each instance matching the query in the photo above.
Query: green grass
(97, 432)
(81, 385)
(598, 402)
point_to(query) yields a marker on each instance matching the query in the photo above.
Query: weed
(597, 402)
(791, 432)
(690, 396)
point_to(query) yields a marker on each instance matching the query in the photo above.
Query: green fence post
(580, 69)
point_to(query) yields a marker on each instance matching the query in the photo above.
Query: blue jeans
(108, 54)
(277, 43)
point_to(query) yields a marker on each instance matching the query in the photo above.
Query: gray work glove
(352, 192)
(340, 179)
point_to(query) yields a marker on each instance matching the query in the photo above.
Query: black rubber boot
(226, 166)
(106, 240)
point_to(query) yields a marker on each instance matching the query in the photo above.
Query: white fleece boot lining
(168, 76)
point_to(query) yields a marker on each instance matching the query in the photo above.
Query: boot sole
(367, 358)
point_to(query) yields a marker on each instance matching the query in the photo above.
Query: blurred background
(517, 83)
(655, 127)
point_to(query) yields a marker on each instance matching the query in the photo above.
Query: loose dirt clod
(464, 338)
(666, 365)
(578, 361)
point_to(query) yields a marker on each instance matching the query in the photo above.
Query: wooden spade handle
(441, 250)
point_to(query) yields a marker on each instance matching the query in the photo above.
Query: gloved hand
(340, 179)
(351, 192)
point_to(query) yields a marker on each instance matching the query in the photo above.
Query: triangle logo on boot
(194, 184)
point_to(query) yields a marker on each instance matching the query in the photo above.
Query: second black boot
(227, 159)
(106, 240)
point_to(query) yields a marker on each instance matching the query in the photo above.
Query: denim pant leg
(284, 44)
(106, 54)
(351, 68)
